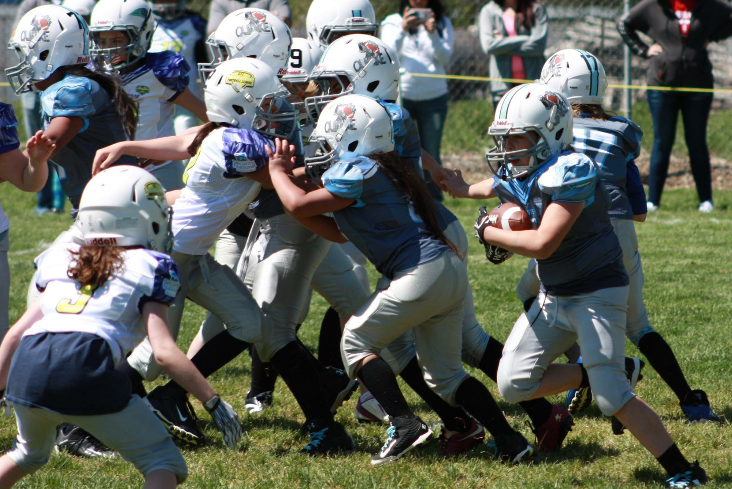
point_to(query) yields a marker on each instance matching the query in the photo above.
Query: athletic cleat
(461, 441)
(578, 399)
(258, 403)
(695, 476)
(552, 433)
(337, 387)
(76, 441)
(177, 414)
(633, 367)
(404, 434)
(700, 412)
(511, 448)
(327, 439)
(368, 410)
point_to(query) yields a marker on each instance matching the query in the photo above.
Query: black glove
(495, 254)
(225, 419)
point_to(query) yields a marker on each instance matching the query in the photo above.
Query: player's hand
(654, 50)
(225, 419)
(455, 185)
(283, 156)
(39, 148)
(105, 157)
(481, 223)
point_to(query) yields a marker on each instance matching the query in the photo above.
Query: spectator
(681, 31)
(222, 8)
(513, 34)
(422, 37)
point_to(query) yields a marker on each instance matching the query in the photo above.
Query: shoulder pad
(345, 178)
(170, 68)
(70, 97)
(166, 281)
(244, 151)
(572, 178)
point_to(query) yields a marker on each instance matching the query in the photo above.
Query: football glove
(225, 419)
(495, 254)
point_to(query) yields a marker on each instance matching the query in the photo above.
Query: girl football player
(99, 300)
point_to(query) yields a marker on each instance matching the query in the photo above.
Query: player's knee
(512, 386)
(29, 461)
(610, 387)
(169, 459)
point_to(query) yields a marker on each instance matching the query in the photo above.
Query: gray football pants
(637, 318)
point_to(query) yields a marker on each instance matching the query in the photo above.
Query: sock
(329, 342)
(476, 400)
(316, 363)
(294, 364)
(491, 357)
(585, 379)
(663, 360)
(264, 375)
(214, 354)
(528, 303)
(673, 461)
(454, 418)
(538, 410)
(378, 377)
(135, 378)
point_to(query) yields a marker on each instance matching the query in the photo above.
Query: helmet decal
(552, 68)
(140, 12)
(242, 79)
(39, 25)
(256, 22)
(557, 105)
(345, 117)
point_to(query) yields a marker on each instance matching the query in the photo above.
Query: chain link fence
(584, 24)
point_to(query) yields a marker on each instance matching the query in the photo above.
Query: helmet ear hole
(559, 134)
(156, 228)
(44, 55)
(238, 109)
(352, 146)
(372, 86)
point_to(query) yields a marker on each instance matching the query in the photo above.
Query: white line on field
(35, 250)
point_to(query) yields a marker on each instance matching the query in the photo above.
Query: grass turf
(687, 261)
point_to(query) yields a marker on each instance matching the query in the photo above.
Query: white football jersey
(181, 36)
(113, 311)
(217, 190)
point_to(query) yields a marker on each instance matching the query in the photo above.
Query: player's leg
(4, 284)
(33, 443)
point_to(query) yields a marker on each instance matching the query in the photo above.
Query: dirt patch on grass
(474, 169)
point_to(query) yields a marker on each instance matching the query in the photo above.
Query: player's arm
(459, 189)
(12, 339)
(163, 149)
(190, 102)
(540, 243)
(438, 174)
(61, 130)
(28, 171)
(323, 226)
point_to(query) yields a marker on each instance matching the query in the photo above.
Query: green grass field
(688, 266)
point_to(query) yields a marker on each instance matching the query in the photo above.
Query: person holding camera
(422, 37)
(513, 34)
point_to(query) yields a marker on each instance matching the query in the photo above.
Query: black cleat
(404, 434)
(78, 442)
(176, 413)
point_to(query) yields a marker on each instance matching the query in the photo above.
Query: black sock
(454, 418)
(264, 375)
(491, 357)
(294, 363)
(379, 379)
(585, 379)
(673, 461)
(214, 354)
(663, 360)
(528, 303)
(316, 363)
(538, 410)
(135, 378)
(329, 342)
(476, 400)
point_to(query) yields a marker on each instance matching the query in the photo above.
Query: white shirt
(420, 52)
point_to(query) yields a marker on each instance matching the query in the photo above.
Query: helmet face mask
(327, 21)
(46, 38)
(134, 19)
(168, 10)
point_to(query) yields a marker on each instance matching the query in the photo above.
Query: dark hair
(405, 177)
(95, 265)
(125, 106)
(435, 5)
(524, 13)
(594, 111)
(205, 130)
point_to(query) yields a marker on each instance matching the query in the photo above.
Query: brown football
(510, 217)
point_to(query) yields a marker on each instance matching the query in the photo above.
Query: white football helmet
(81, 7)
(353, 124)
(304, 56)
(132, 17)
(45, 39)
(327, 19)
(125, 206)
(356, 64)
(248, 33)
(245, 92)
(532, 109)
(576, 74)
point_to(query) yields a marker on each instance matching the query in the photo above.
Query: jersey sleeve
(634, 189)
(244, 152)
(572, 178)
(166, 281)
(71, 97)
(632, 135)
(345, 179)
(171, 69)
(8, 131)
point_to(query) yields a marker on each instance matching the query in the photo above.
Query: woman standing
(681, 31)
(513, 34)
(422, 37)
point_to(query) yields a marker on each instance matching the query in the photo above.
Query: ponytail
(205, 130)
(412, 186)
(95, 265)
(594, 111)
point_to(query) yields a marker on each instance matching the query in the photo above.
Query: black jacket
(680, 64)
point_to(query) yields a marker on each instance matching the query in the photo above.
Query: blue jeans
(694, 107)
(430, 117)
